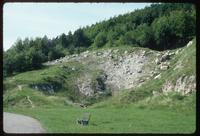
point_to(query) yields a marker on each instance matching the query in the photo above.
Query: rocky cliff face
(124, 69)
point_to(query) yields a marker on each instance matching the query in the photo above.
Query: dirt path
(14, 123)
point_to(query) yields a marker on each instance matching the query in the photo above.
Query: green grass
(18, 98)
(130, 119)
(63, 76)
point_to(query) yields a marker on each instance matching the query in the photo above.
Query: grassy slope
(66, 76)
(115, 120)
(131, 111)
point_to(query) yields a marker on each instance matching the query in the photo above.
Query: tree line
(159, 27)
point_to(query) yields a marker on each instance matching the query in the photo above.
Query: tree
(7, 64)
(63, 40)
(80, 39)
(18, 45)
(163, 33)
(34, 58)
(100, 39)
(183, 24)
(174, 30)
(128, 38)
(143, 35)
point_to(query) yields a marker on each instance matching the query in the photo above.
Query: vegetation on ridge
(159, 27)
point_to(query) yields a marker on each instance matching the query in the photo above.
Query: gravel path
(14, 123)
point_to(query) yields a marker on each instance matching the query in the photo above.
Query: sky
(22, 20)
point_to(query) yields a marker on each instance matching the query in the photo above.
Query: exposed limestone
(177, 52)
(164, 67)
(155, 93)
(158, 76)
(19, 87)
(162, 58)
(165, 57)
(31, 103)
(85, 55)
(73, 69)
(44, 87)
(123, 69)
(125, 52)
(168, 87)
(143, 53)
(139, 71)
(184, 85)
(171, 53)
(99, 53)
(157, 61)
(141, 80)
(84, 86)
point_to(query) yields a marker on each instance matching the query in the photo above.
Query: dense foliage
(159, 27)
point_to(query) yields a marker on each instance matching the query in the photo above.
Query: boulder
(86, 52)
(190, 43)
(177, 52)
(115, 51)
(165, 57)
(140, 61)
(139, 71)
(99, 53)
(158, 54)
(157, 61)
(155, 73)
(158, 76)
(166, 63)
(141, 80)
(127, 71)
(74, 55)
(85, 55)
(164, 67)
(171, 53)
(143, 53)
(147, 78)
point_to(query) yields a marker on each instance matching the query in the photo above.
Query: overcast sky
(22, 20)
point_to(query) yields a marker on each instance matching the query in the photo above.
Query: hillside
(161, 102)
(133, 73)
(94, 75)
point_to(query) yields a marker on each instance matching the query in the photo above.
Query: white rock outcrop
(184, 85)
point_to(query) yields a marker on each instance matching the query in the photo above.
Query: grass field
(128, 119)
